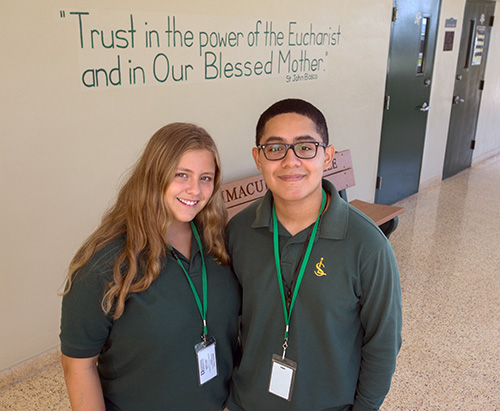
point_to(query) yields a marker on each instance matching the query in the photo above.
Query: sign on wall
(134, 49)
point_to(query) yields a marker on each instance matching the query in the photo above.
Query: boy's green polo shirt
(345, 328)
(147, 359)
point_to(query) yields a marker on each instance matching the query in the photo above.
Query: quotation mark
(62, 14)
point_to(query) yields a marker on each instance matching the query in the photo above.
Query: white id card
(282, 377)
(207, 360)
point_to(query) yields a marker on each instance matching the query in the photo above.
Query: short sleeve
(84, 325)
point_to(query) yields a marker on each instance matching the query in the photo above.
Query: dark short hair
(293, 105)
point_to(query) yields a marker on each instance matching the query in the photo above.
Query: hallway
(448, 248)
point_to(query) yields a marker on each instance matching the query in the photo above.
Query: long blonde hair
(141, 215)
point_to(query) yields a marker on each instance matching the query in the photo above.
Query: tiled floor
(36, 385)
(448, 249)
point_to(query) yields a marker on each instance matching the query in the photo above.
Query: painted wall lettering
(137, 49)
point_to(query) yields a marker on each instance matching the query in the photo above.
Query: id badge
(207, 360)
(282, 377)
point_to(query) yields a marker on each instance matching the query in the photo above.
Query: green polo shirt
(147, 358)
(345, 328)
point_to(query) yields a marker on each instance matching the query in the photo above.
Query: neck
(179, 237)
(296, 216)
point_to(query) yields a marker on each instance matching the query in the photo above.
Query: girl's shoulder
(102, 262)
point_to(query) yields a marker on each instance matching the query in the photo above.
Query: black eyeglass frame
(292, 146)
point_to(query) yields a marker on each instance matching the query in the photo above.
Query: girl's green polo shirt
(147, 359)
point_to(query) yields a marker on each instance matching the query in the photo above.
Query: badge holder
(282, 377)
(206, 359)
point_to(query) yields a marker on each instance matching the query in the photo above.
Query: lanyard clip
(204, 335)
(285, 346)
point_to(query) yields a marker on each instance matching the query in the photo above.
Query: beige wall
(64, 149)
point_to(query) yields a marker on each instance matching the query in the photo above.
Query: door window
(424, 24)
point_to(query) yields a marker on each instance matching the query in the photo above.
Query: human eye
(304, 147)
(181, 175)
(206, 179)
(275, 148)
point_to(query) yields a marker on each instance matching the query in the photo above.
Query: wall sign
(451, 23)
(134, 49)
(448, 40)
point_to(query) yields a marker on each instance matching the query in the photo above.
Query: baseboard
(484, 157)
(426, 185)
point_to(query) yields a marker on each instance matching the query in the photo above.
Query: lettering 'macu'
(245, 191)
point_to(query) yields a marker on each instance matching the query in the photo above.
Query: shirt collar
(333, 224)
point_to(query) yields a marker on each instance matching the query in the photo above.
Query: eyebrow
(188, 170)
(276, 139)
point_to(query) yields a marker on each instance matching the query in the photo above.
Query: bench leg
(389, 227)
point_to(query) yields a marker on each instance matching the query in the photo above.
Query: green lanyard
(288, 313)
(201, 306)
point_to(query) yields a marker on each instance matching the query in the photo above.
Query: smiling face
(293, 179)
(192, 185)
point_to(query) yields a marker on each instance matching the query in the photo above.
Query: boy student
(321, 313)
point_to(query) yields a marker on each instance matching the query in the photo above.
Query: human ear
(329, 154)
(256, 158)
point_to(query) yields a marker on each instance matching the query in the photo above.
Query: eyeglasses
(278, 151)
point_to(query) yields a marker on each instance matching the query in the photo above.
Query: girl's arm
(83, 383)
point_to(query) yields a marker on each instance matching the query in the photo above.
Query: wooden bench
(239, 194)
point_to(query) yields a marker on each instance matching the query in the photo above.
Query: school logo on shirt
(319, 268)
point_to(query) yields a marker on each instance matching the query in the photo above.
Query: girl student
(150, 310)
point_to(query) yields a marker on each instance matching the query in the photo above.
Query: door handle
(425, 107)
(457, 100)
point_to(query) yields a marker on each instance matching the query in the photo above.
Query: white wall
(64, 148)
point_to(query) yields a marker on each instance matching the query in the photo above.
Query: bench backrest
(240, 193)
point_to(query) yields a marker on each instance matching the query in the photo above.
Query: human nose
(194, 187)
(290, 159)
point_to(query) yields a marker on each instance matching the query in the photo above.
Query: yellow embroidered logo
(319, 271)
(217, 261)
